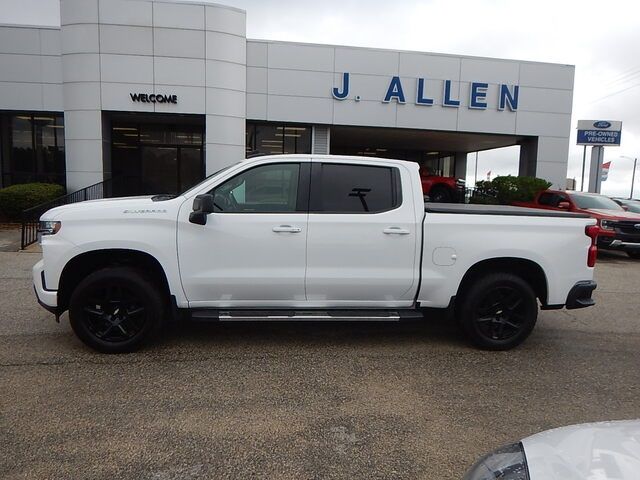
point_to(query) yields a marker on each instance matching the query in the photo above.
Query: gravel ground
(297, 401)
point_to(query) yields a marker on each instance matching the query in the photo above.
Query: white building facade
(163, 93)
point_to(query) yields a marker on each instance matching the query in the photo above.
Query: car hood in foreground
(603, 451)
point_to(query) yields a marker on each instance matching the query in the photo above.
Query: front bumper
(615, 243)
(47, 298)
(625, 236)
(580, 295)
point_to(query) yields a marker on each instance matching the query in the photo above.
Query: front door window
(264, 189)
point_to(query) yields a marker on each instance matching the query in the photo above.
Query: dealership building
(162, 93)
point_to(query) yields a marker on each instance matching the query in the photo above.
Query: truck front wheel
(498, 311)
(115, 310)
(440, 194)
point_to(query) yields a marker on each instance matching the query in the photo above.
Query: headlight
(607, 224)
(48, 228)
(505, 463)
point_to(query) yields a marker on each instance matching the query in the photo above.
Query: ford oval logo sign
(602, 124)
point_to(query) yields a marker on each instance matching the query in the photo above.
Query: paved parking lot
(298, 401)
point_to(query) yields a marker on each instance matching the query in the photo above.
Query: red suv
(618, 229)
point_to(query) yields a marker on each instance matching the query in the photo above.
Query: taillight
(592, 232)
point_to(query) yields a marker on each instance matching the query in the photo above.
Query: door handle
(396, 231)
(286, 229)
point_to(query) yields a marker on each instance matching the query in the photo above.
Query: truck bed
(504, 210)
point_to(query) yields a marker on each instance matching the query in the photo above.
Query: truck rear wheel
(115, 310)
(498, 312)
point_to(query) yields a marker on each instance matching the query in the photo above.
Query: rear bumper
(580, 295)
(47, 298)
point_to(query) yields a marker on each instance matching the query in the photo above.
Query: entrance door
(155, 155)
(170, 169)
(362, 244)
(159, 169)
(252, 250)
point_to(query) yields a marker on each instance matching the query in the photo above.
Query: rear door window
(346, 188)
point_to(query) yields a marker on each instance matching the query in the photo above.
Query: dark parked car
(631, 205)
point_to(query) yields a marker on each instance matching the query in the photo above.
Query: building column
(551, 163)
(226, 92)
(81, 93)
(528, 157)
(320, 140)
(460, 165)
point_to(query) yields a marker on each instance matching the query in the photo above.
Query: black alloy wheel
(498, 311)
(500, 316)
(114, 314)
(115, 309)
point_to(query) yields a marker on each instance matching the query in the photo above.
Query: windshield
(207, 178)
(594, 201)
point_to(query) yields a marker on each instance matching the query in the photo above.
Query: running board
(228, 315)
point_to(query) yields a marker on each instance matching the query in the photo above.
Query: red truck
(618, 228)
(442, 189)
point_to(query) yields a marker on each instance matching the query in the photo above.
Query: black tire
(635, 254)
(498, 311)
(440, 194)
(96, 305)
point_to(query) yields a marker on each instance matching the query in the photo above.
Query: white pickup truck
(309, 237)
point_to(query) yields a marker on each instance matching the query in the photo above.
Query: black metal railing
(113, 187)
(473, 195)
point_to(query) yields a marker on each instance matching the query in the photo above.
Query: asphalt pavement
(303, 401)
(9, 239)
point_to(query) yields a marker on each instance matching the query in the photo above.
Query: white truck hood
(121, 205)
(595, 451)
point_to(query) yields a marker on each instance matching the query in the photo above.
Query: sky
(602, 40)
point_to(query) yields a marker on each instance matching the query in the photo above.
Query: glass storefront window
(32, 148)
(166, 135)
(276, 138)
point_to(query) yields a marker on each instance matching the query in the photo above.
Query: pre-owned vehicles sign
(599, 132)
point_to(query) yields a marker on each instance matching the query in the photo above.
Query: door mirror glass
(564, 205)
(203, 205)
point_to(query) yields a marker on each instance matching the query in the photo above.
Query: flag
(489, 175)
(605, 171)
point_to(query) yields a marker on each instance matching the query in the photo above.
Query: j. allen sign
(507, 94)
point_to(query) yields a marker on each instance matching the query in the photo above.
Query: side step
(232, 315)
